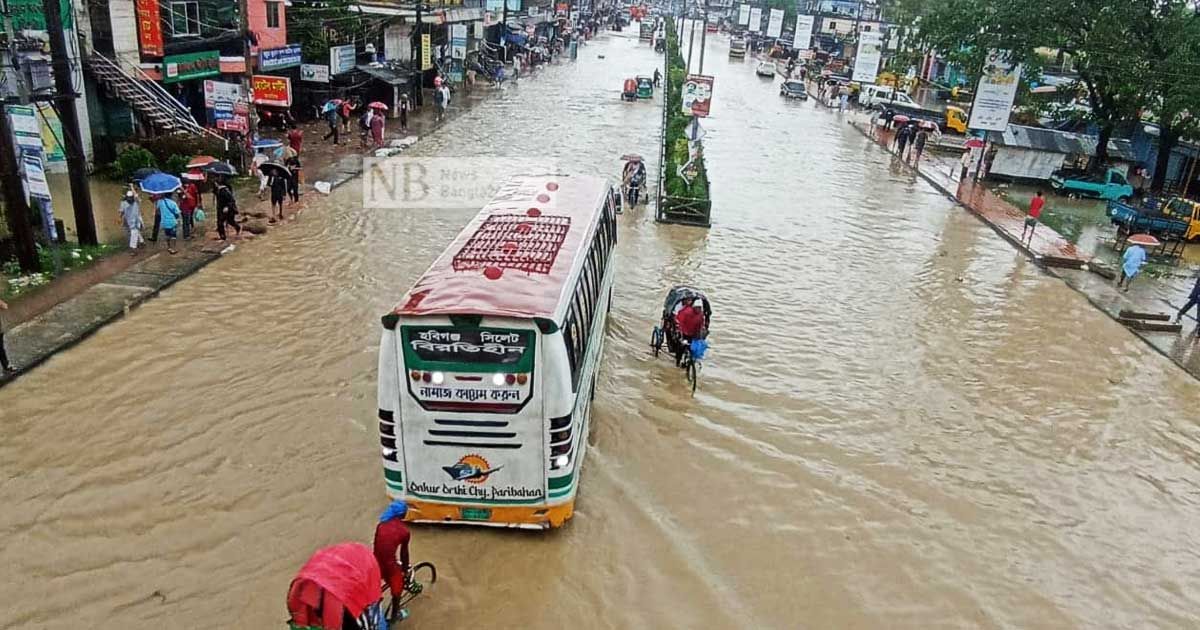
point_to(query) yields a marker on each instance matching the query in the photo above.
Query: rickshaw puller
(391, 535)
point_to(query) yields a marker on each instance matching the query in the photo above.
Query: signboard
(27, 134)
(269, 90)
(743, 14)
(216, 92)
(697, 95)
(190, 66)
(314, 72)
(426, 51)
(755, 19)
(30, 14)
(804, 28)
(996, 94)
(35, 177)
(458, 41)
(775, 24)
(150, 35)
(341, 58)
(237, 122)
(279, 58)
(866, 59)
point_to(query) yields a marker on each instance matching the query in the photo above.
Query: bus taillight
(522, 379)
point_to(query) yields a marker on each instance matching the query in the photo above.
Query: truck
(952, 118)
(1110, 185)
(1175, 219)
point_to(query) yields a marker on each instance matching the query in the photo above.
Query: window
(273, 15)
(1119, 179)
(833, 26)
(866, 28)
(185, 19)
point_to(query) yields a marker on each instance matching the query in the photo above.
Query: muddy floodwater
(902, 422)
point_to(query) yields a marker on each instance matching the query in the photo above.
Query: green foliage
(163, 147)
(130, 160)
(319, 24)
(176, 164)
(676, 140)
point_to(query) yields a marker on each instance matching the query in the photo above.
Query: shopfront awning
(387, 74)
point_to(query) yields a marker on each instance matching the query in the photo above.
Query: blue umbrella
(160, 184)
(266, 143)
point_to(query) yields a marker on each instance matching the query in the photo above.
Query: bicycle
(412, 588)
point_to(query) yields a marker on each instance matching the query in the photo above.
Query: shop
(184, 75)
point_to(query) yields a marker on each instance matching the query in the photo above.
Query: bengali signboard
(426, 51)
(458, 41)
(270, 90)
(149, 26)
(221, 92)
(804, 28)
(341, 58)
(190, 66)
(996, 94)
(35, 177)
(775, 23)
(279, 58)
(755, 19)
(866, 59)
(743, 14)
(27, 134)
(314, 72)
(697, 95)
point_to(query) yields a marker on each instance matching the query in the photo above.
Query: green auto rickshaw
(645, 87)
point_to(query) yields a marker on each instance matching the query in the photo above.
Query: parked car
(793, 89)
(880, 96)
(765, 69)
(1110, 185)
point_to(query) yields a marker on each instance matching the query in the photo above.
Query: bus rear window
(470, 349)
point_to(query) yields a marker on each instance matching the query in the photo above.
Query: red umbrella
(1145, 240)
(377, 105)
(975, 143)
(900, 118)
(193, 176)
(200, 161)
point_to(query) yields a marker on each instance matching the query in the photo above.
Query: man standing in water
(1131, 263)
(131, 218)
(392, 536)
(1035, 213)
(1193, 300)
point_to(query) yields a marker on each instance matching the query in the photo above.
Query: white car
(765, 69)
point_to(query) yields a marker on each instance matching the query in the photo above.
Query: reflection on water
(902, 423)
(106, 199)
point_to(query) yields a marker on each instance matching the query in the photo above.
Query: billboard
(866, 59)
(996, 94)
(803, 36)
(150, 35)
(190, 66)
(279, 58)
(755, 19)
(341, 58)
(743, 14)
(269, 90)
(697, 95)
(775, 23)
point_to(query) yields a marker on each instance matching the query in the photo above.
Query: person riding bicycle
(392, 535)
(634, 176)
(690, 323)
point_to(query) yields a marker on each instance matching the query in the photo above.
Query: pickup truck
(950, 119)
(1109, 185)
(1175, 219)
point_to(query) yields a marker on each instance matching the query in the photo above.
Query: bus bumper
(525, 517)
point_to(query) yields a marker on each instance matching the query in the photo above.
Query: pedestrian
(260, 158)
(439, 103)
(187, 208)
(964, 165)
(8, 367)
(226, 209)
(902, 137)
(404, 107)
(331, 119)
(170, 215)
(1031, 218)
(279, 188)
(1131, 263)
(364, 128)
(292, 162)
(131, 219)
(295, 138)
(344, 110)
(919, 146)
(377, 123)
(157, 224)
(516, 68)
(1193, 300)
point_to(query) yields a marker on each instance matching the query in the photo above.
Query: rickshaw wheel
(656, 340)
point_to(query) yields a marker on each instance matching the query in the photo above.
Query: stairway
(147, 98)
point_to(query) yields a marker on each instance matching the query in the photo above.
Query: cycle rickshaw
(340, 588)
(688, 356)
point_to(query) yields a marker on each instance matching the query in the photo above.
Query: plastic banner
(996, 94)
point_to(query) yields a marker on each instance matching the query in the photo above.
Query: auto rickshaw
(645, 87)
(630, 91)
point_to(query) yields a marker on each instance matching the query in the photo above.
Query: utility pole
(691, 45)
(81, 196)
(248, 73)
(703, 34)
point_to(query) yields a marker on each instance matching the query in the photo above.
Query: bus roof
(517, 256)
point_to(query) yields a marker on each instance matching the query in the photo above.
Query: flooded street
(903, 423)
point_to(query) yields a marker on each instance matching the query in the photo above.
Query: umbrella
(975, 143)
(143, 173)
(900, 118)
(378, 105)
(160, 184)
(220, 168)
(193, 176)
(265, 143)
(267, 167)
(201, 160)
(1144, 240)
(631, 157)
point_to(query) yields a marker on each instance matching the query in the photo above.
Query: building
(1031, 153)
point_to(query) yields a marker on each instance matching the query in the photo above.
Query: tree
(1174, 95)
(319, 24)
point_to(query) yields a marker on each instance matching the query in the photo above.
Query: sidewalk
(1057, 255)
(87, 300)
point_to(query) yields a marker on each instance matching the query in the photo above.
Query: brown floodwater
(903, 423)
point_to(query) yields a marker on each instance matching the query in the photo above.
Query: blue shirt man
(169, 210)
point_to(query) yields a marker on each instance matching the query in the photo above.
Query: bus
(487, 366)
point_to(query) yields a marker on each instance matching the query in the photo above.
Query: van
(881, 95)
